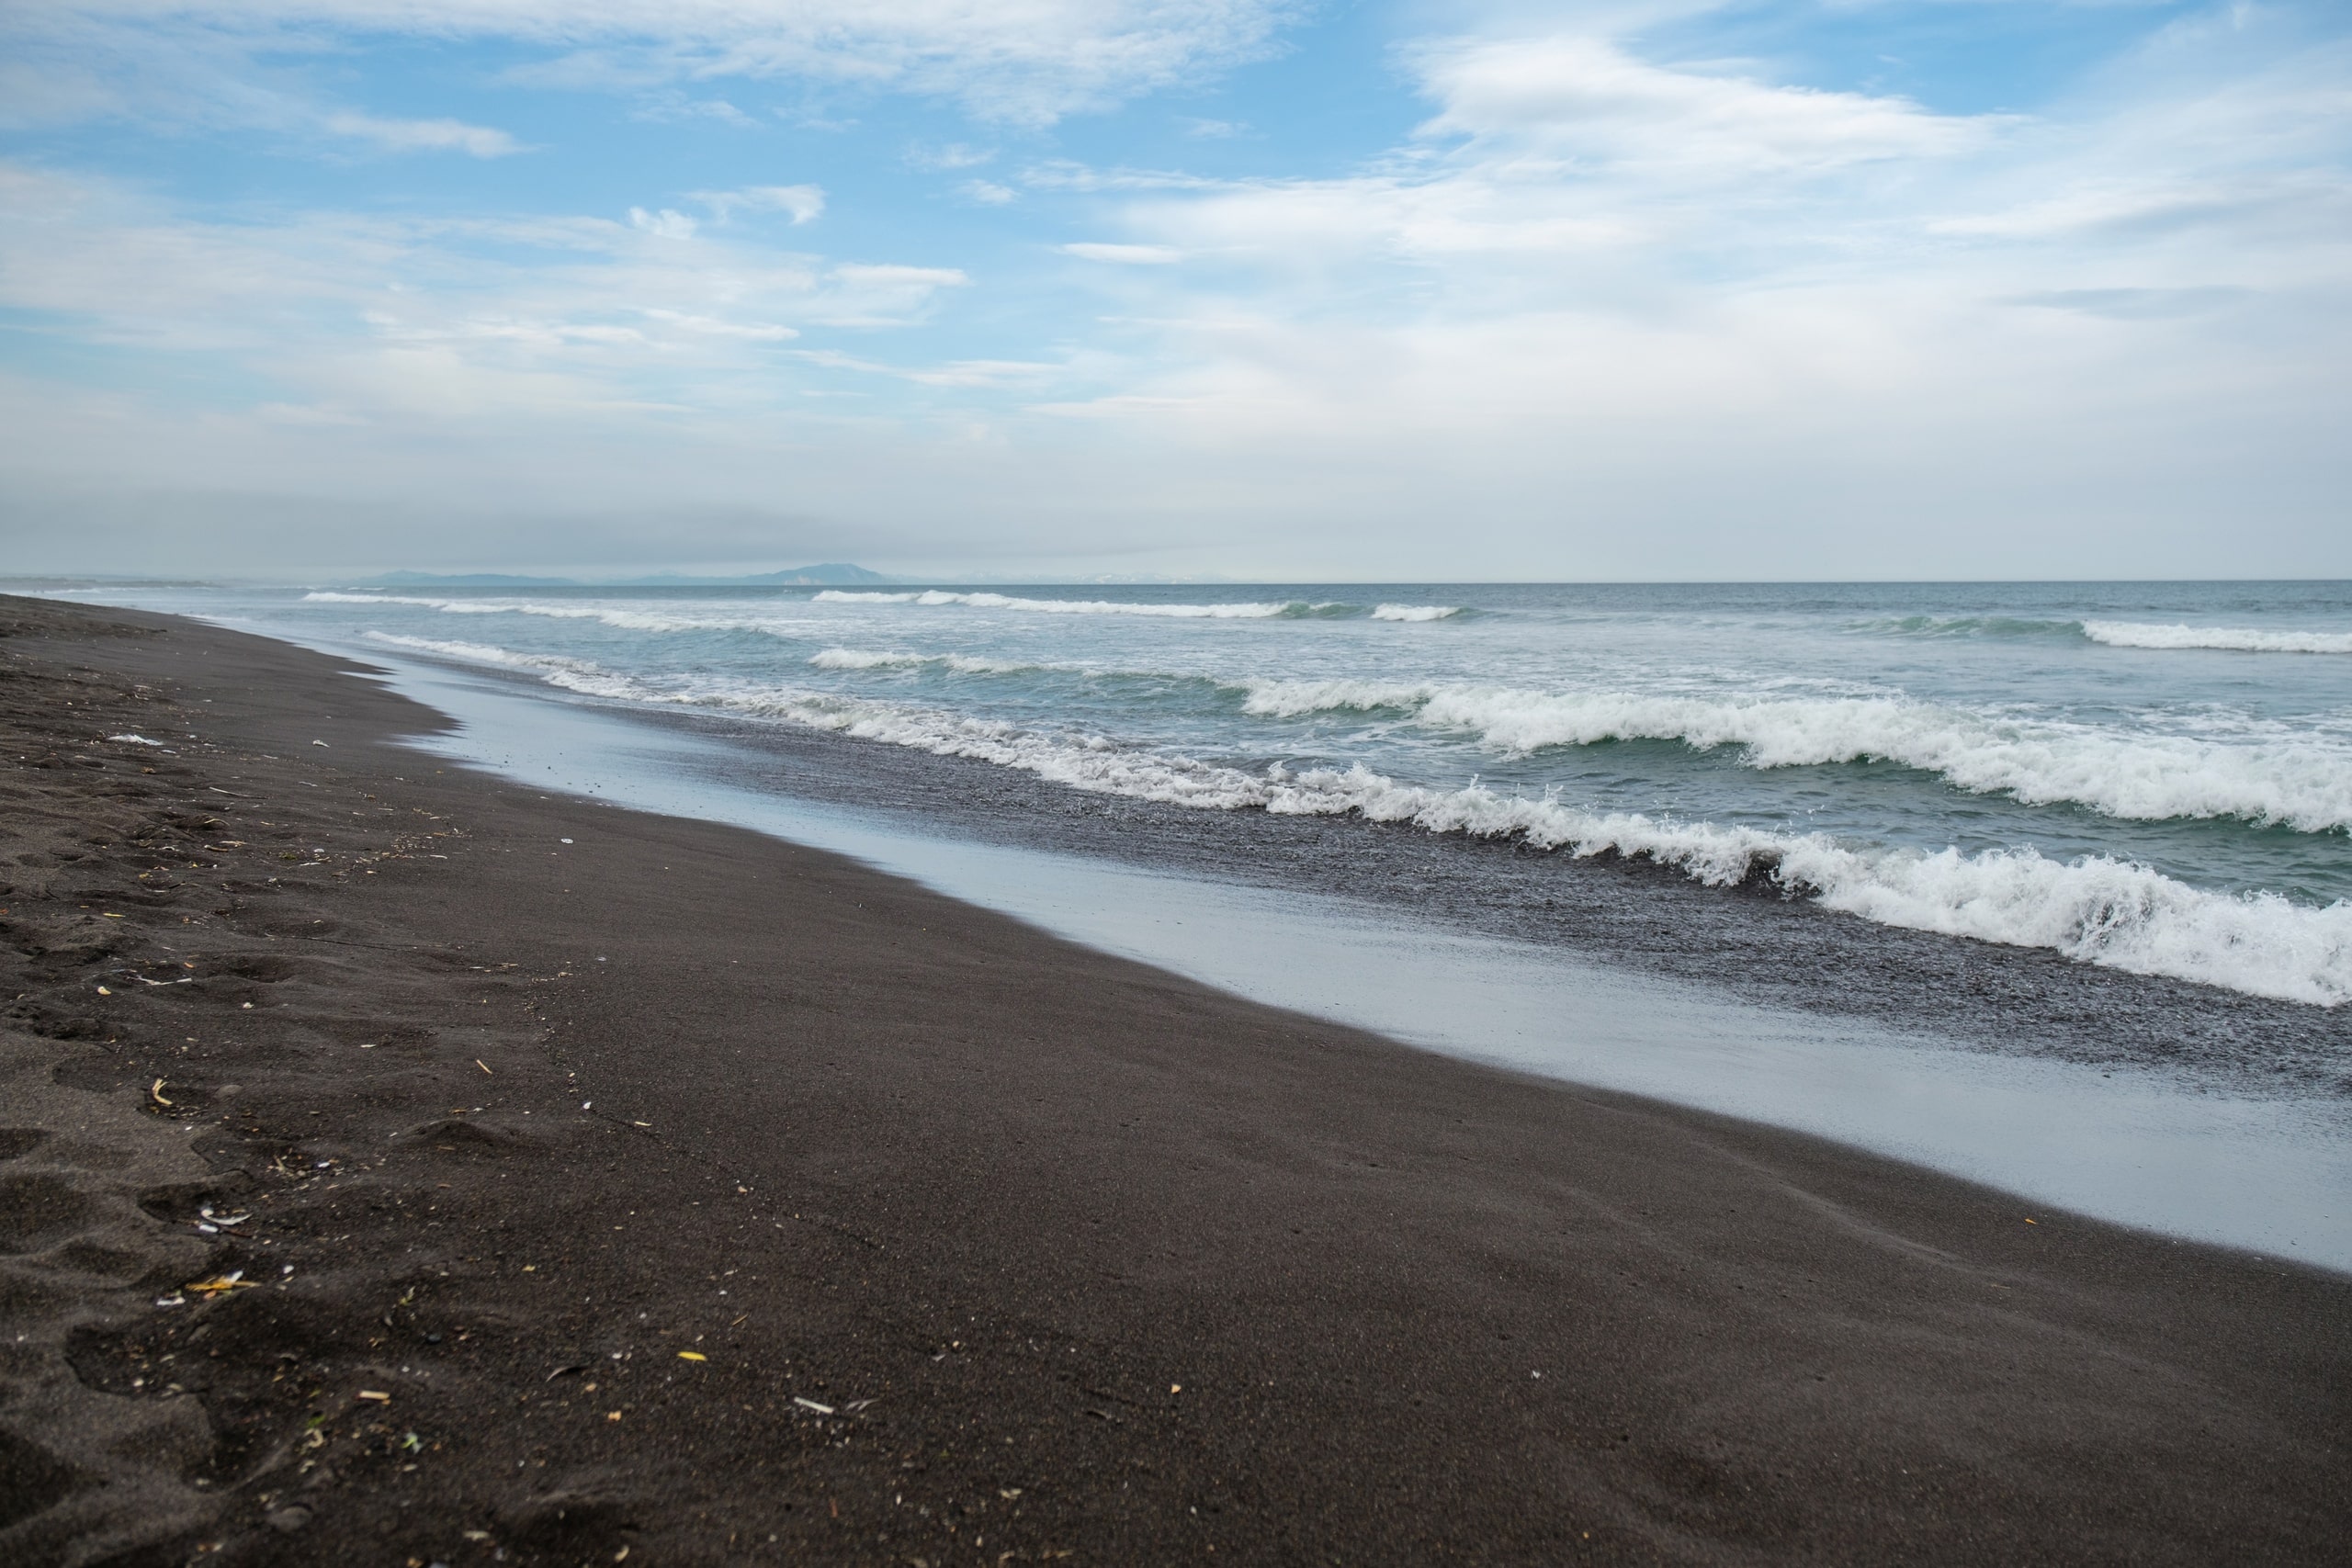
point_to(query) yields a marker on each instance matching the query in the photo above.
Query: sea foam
(2304, 782)
(1970, 626)
(884, 659)
(603, 615)
(2239, 640)
(2095, 908)
(935, 596)
(2116, 634)
(485, 653)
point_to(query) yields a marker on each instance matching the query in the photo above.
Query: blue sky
(1654, 289)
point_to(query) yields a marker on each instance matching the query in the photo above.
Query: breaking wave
(2305, 784)
(626, 620)
(1970, 626)
(2094, 909)
(2240, 639)
(1259, 610)
(483, 653)
(675, 621)
(962, 663)
(1246, 612)
(2116, 634)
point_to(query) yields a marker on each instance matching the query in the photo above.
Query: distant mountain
(831, 571)
(832, 574)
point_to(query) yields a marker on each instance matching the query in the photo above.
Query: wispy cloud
(964, 374)
(954, 155)
(1587, 100)
(802, 204)
(1023, 61)
(354, 308)
(665, 224)
(1599, 266)
(1124, 256)
(426, 135)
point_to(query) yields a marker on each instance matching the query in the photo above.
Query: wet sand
(682, 1190)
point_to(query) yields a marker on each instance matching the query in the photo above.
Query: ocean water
(2153, 778)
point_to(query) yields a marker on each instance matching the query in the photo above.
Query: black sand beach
(623, 1188)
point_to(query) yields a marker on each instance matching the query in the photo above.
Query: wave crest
(2304, 785)
(2238, 640)
(1970, 626)
(626, 620)
(962, 663)
(483, 653)
(2094, 909)
(1238, 612)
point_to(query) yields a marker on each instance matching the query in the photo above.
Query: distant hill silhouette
(830, 574)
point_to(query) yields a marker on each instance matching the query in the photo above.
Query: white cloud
(984, 373)
(1124, 256)
(955, 374)
(2094, 210)
(987, 193)
(1594, 289)
(743, 332)
(672, 107)
(890, 275)
(1021, 60)
(1587, 100)
(364, 313)
(801, 203)
(864, 294)
(1065, 175)
(955, 155)
(665, 224)
(426, 135)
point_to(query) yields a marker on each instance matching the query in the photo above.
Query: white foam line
(1254, 611)
(2239, 640)
(2305, 784)
(2096, 908)
(485, 653)
(935, 596)
(626, 620)
(1969, 626)
(961, 663)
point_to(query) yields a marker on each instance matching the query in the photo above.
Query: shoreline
(2159, 1144)
(1127, 1268)
(1632, 914)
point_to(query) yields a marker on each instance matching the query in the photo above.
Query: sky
(1647, 289)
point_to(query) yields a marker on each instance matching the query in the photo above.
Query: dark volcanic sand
(1756, 941)
(993, 1249)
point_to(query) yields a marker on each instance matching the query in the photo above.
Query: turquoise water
(2152, 777)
